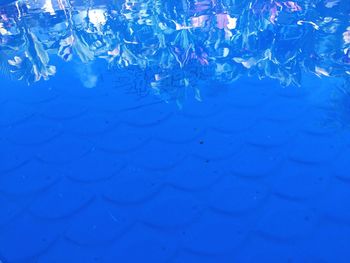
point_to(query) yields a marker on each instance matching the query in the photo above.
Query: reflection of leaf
(75, 44)
(182, 47)
(3, 30)
(39, 58)
(81, 48)
(16, 61)
(65, 48)
(39, 49)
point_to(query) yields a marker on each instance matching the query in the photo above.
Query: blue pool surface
(96, 168)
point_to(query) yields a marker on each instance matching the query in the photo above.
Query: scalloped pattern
(103, 176)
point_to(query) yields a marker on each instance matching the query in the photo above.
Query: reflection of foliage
(176, 41)
(75, 44)
(33, 62)
(37, 57)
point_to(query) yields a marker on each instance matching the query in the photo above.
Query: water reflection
(179, 42)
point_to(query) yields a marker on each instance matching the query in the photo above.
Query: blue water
(175, 131)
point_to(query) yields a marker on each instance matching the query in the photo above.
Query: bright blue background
(254, 173)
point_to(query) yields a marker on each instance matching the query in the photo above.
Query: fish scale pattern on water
(85, 183)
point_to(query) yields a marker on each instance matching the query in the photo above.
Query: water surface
(175, 132)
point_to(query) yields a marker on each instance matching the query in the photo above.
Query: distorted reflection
(179, 42)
